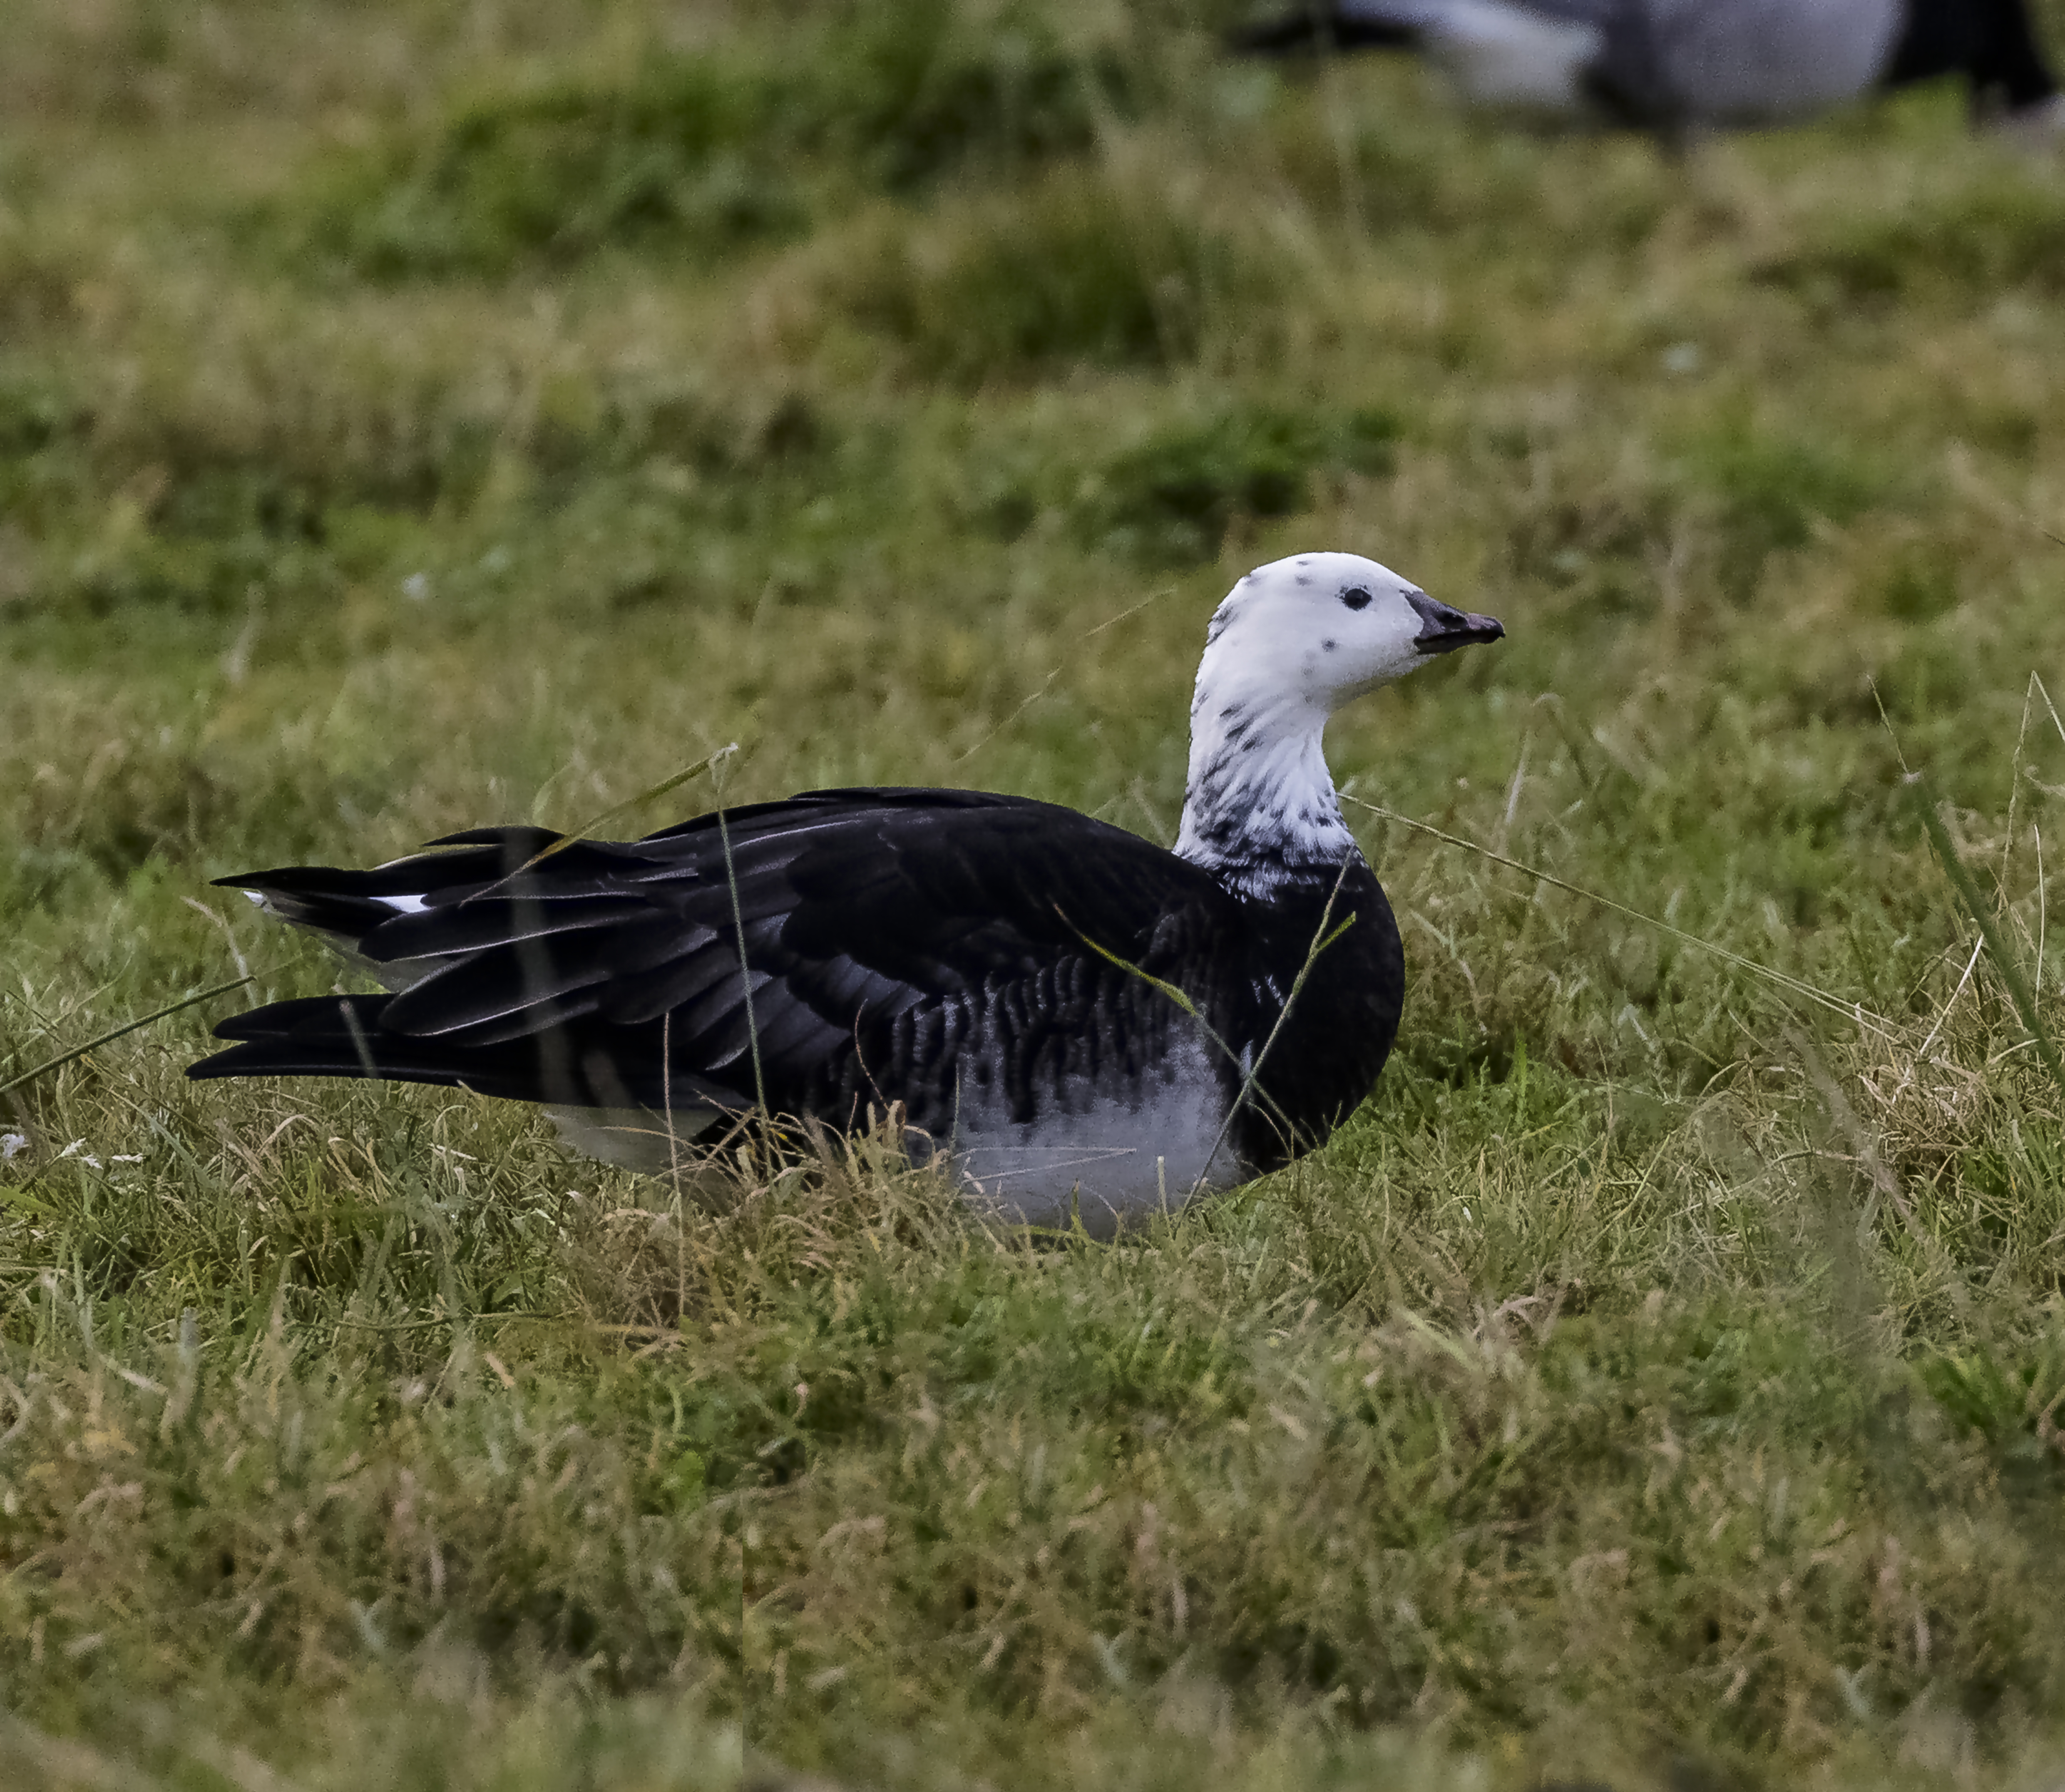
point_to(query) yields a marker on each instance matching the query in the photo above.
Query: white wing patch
(1506, 55)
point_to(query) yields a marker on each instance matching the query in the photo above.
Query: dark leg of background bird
(1991, 42)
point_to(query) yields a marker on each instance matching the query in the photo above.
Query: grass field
(415, 416)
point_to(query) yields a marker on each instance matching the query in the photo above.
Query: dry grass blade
(1968, 891)
(63, 1058)
(744, 964)
(1322, 938)
(1047, 683)
(2057, 721)
(1166, 988)
(586, 829)
(1793, 986)
(1870, 1159)
(1189, 1008)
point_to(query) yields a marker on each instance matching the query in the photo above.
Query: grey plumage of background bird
(1673, 66)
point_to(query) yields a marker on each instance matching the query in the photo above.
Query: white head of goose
(1000, 967)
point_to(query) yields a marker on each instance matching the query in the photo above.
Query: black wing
(1332, 25)
(1408, 24)
(1626, 80)
(859, 938)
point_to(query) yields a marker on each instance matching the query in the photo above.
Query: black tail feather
(345, 1036)
(347, 903)
(341, 1036)
(306, 1016)
(334, 911)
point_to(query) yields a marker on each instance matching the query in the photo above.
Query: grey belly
(1104, 1156)
(1769, 60)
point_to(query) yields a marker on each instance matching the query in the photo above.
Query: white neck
(1260, 805)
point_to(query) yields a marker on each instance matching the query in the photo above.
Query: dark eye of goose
(1355, 598)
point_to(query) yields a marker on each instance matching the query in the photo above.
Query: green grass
(413, 416)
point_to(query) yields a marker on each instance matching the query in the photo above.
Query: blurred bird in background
(1675, 66)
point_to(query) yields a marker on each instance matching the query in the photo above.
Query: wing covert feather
(874, 922)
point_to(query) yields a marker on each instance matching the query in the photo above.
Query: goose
(1676, 65)
(1085, 1025)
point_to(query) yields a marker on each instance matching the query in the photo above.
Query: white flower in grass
(77, 1148)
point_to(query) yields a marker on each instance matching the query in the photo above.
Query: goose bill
(1443, 629)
